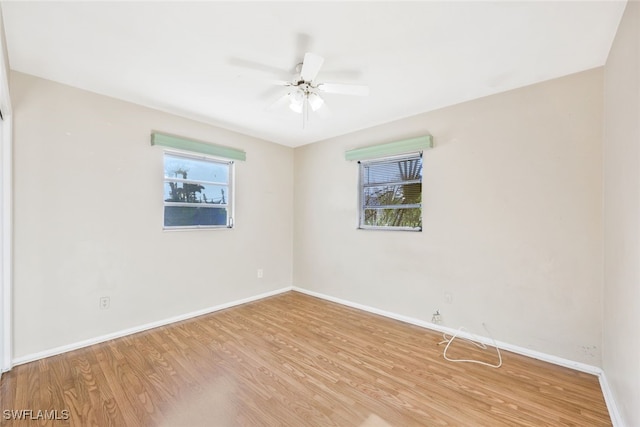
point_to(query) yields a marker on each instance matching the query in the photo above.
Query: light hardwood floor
(294, 360)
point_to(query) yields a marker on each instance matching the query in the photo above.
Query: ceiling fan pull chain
(305, 112)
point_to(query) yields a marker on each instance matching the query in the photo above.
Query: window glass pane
(391, 193)
(180, 216)
(194, 169)
(392, 171)
(185, 192)
(200, 185)
(402, 194)
(410, 217)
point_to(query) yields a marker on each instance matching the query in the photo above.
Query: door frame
(6, 244)
(6, 208)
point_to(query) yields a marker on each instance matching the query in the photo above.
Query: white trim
(578, 366)
(614, 413)
(6, 226)
(97, 340)
(7, 237)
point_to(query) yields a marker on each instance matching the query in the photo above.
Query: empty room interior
(320, 213)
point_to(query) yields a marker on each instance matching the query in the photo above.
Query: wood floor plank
(295, 360)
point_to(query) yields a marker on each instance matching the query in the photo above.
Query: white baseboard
(578, 366)
(75, 346)
(614, 413)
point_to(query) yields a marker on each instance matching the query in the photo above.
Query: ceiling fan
(304, 92)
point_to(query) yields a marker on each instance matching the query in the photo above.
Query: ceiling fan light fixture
(315, 101)
(296, 107)
(297, 99)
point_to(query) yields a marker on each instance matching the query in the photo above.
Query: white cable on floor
(479, 345)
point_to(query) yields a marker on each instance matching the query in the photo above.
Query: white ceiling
(215, 61)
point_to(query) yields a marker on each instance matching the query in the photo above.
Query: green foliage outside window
(391, 193)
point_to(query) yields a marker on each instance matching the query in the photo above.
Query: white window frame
(362, 186)
(230, 205)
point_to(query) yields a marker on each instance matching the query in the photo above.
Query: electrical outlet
(260, 273)
(448, 298)
(436, 318)
(104, 303)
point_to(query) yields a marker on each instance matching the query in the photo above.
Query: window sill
(196, 228)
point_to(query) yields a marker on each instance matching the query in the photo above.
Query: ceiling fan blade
(310, 66)
(280, 103)
(344, 89)
(281, 83)
(271, 92)
(302, 44)
(257, 66)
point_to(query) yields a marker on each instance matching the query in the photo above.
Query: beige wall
(511, 215)
(88, 219)
(621, 338)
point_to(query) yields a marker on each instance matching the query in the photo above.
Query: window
(198, 191)
(390, 193)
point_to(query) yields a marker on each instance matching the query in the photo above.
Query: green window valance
(197, 146)
(390, 148)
